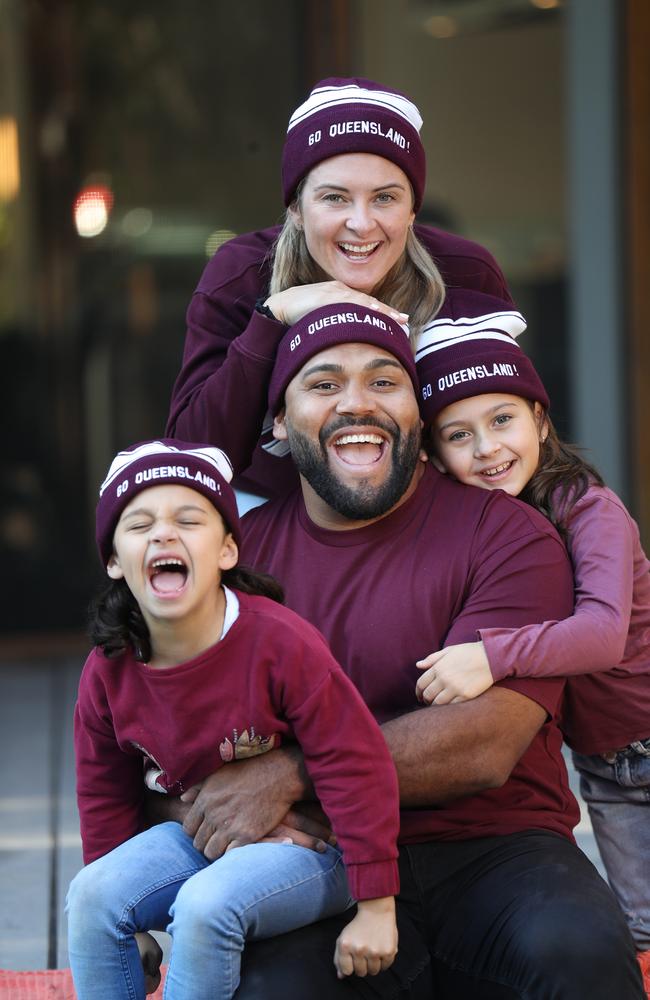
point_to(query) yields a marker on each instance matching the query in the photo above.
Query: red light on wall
(91, 209)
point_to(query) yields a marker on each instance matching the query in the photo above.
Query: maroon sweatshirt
(271, 680)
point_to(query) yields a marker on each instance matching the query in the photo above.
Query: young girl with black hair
(195, 668)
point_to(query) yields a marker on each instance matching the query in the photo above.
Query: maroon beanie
(469, 349)
(353, 116)
(337, 324)
(161, 463)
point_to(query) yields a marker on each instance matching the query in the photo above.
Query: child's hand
(454, 674)
(368, 944)
(151, 956)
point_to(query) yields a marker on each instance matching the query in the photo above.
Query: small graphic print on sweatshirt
(246, 744)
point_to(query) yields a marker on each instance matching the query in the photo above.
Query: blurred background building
(135, 138)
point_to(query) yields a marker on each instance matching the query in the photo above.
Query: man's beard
(362, 502)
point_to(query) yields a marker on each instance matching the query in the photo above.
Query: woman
(353, 176)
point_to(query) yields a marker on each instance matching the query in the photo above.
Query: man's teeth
(359, 439)
(497, 469)
(353, 248)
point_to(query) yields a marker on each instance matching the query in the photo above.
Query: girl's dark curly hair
(562, 477)
(116, 624)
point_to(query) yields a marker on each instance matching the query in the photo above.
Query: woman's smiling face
(356, 210)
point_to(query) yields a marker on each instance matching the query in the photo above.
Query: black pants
(522, 917)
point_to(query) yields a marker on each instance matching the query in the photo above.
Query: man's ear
(114, 569)
(279, 425)
(229, 553)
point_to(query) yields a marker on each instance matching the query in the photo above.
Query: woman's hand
(457, 673)
(293, 303)
(368, 944)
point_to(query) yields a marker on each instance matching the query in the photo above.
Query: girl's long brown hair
(562, 477)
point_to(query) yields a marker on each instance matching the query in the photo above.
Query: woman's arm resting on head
(292, 304)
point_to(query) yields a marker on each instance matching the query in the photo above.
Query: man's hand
(245, 801)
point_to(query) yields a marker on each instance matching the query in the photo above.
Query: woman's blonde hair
(413, 285)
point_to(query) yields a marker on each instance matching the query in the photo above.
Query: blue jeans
(252, 892)
(618, 799)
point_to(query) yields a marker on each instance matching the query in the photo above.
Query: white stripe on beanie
(213, 456)
(323, 98)
(445, 332)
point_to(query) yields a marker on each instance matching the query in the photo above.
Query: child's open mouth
(167, 575)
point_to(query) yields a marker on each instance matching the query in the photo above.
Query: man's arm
(440, 753)
(448, 751)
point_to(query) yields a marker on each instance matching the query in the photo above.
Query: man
(391, 560)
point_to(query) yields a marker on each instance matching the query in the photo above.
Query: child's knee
(90, 891)
(82, 891)
(196, 906)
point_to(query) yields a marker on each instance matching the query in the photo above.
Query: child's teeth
(499, 468)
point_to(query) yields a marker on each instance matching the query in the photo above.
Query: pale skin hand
(368, 944)
(454, 674)
(292, 304)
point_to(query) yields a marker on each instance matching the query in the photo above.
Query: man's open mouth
(359, 449)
